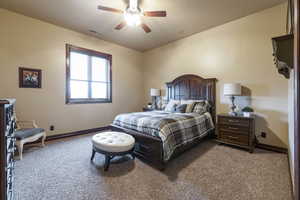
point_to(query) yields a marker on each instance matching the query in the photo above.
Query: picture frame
(30, 78)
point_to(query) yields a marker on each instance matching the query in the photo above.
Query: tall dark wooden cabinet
(7, 147)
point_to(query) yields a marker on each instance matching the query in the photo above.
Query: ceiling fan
(132, 15)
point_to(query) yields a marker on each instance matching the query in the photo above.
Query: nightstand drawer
(234, 138)
(233, 128)
(233, 121)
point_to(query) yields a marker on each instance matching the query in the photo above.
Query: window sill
(82, 101)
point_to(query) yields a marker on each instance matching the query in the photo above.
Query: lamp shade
(232, 89)
(154, 92)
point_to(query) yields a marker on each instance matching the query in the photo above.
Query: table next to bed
(237, 131)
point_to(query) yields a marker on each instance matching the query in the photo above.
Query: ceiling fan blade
(110, 9)
(155, 13)
(146, 28)
(120, 26)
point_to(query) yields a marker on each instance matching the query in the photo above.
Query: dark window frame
(71, 48)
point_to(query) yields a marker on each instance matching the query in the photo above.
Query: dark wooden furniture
(188, 86)
(283, 48)
(145, 109)
(110, 155)
(7, 148)
(237, 130)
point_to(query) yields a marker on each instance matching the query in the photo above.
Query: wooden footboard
(150, 149)
(147, 148)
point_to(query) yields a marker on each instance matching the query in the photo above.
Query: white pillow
(164, 103)
(170, 106)
(187, 101)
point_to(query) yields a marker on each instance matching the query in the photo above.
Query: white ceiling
(184, 17)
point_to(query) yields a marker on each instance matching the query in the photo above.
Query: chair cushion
(113, 141)
(27, 132)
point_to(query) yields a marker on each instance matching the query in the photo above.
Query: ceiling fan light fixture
(133, 15)
(132, 19)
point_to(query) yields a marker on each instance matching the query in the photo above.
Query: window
(88, 76)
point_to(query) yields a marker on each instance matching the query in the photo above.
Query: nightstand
(145, 109)
(236, 130)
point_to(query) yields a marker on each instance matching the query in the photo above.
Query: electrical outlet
(51, 128)
(263, 134)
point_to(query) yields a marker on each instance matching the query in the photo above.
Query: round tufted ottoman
(112, 144)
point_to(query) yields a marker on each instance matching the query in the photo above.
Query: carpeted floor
(63, 171)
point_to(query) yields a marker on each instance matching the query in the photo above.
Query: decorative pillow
(201, 107)
(164, 103)
(180, 108)
(171, 105)
(190, 104)
(163, 106)
(189, 107)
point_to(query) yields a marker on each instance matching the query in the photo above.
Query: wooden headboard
(191, 86)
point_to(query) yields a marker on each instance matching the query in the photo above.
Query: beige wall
(239, 51)
(32, 43)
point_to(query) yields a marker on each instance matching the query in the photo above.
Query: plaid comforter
(174, 129)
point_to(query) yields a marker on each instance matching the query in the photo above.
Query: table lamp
(232, 90)
(154, 93)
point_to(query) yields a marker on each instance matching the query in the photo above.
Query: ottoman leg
(107, 162)
(132, 155)
(93, 155)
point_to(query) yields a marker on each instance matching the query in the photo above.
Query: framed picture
(30, 78)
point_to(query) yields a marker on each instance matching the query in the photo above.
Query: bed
(161, 136)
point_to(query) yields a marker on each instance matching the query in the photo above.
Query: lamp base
(232, 113)
(154, 104)
(232, 107)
